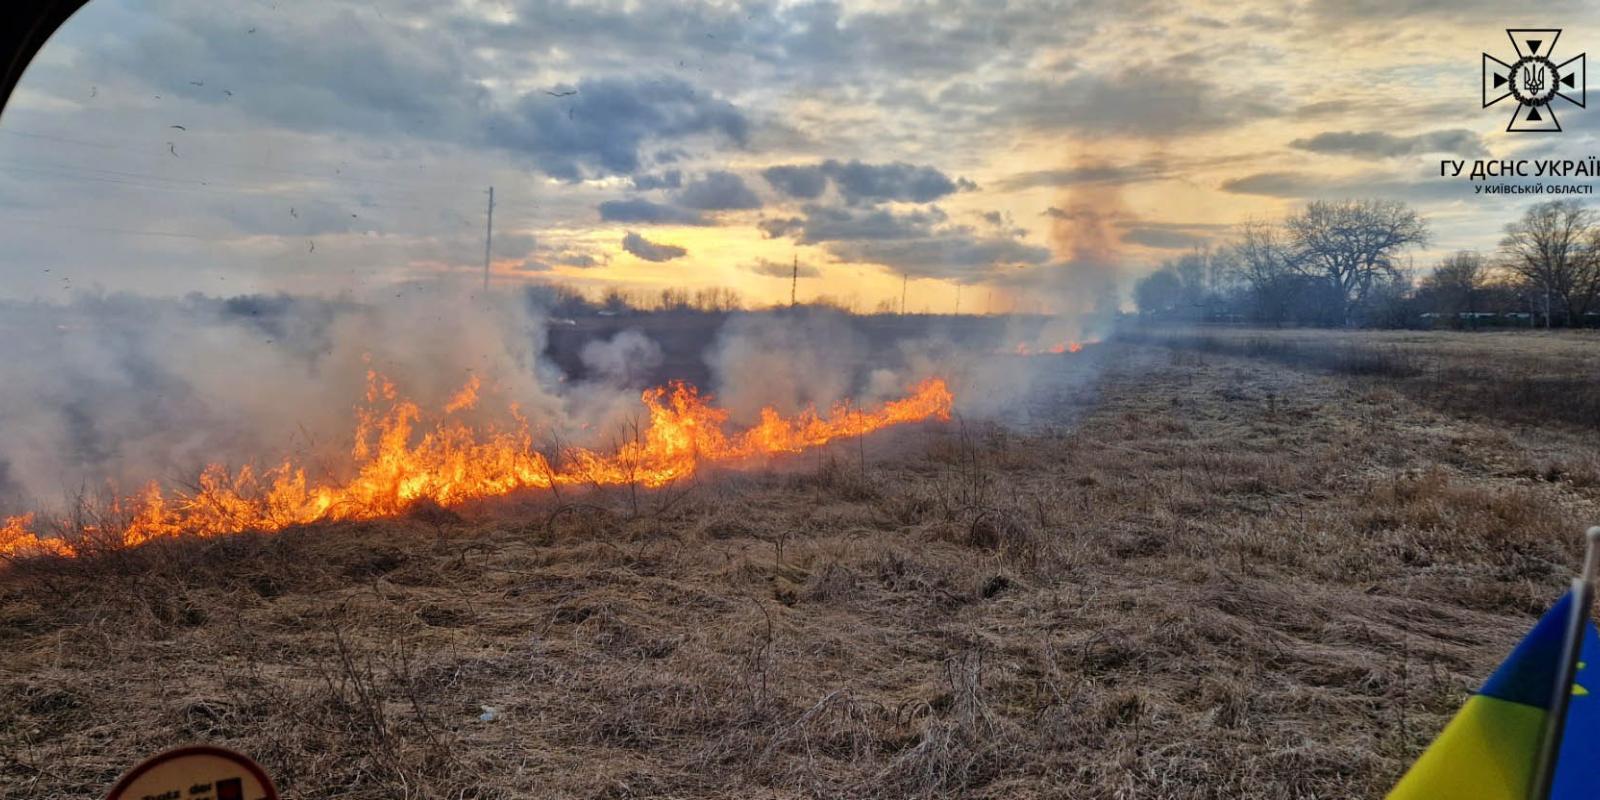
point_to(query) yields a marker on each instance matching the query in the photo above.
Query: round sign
(200, 772)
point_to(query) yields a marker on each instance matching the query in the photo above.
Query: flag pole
(1582, 596)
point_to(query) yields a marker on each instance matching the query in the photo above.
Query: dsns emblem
(1535, 80)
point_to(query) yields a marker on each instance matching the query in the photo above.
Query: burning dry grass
(1226, 579)
(395, 468)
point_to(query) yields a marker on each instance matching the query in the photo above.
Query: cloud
(956, 254)
(1387, 13)
(602, 129)
(1302, 185)
(829, 223)
(1164, 237)
(565, 258)
(651, 251)
(640, 210)
(1133, 103)
(512, 245)
(801, 182)
(779, 269)
(860, 182)
(718, 191)
(1275, 184)
(1385, 145)
(918, 242)
(339, 68)
(1072, 176)
(671, 179)
(579, 260)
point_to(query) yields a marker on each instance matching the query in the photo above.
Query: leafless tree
(1353, 244)
(1261, 260)
(1459, 283)
(1555, 247)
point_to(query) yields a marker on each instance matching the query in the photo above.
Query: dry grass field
(1227, 565)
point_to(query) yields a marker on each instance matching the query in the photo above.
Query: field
(1238, 564)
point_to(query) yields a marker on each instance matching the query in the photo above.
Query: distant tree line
(565, 300)
(570, 301)
(1345, 264)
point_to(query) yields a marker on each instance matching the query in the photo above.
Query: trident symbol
(1533, 78)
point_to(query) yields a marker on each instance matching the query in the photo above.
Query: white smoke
(785, 361)
(111, 392)
(107, 393)
(626, 360)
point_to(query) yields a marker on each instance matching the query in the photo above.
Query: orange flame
(454, 463)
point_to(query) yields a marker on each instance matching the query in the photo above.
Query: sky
(982, 156)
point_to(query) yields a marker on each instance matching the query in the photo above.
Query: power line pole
(902, 294)
(488, 239)
(794, 280)
(958, 299)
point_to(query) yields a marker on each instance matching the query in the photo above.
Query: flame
(452, 463)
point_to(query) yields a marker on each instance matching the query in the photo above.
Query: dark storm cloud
(860, 182)
(1385, 145)
(601, 129)
(651, 251)
(718, 191)
(639, 210)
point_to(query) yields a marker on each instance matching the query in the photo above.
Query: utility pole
(958, 299)
(488, 239)
(902, 294)
(794, 280)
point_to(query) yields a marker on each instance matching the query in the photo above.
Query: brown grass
(1226, 579)
(1517, 376)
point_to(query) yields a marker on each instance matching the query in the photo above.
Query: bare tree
(1159, 294)
(1352, 244)
(1262, 261)
(1555, 247)
(1458, 284)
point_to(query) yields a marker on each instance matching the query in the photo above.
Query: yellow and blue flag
(1491, 748)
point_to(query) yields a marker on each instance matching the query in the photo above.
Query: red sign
(200, 772)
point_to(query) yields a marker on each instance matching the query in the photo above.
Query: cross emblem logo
(1534, 80)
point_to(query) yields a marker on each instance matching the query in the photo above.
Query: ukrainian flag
(1491, 749)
